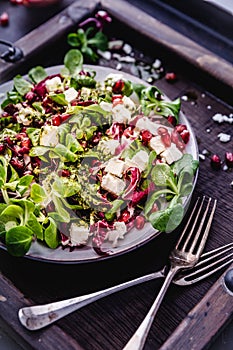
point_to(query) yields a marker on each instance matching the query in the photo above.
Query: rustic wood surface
(109, 323)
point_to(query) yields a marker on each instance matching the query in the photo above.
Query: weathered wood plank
(40, 38)
(11, 299)
(205, 320)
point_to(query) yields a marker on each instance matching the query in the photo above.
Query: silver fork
(185, 255)
(39, 316)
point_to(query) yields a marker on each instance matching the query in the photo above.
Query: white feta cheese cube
(49, 136)
(171, 154)
(25, 115)
(130, 164)
(129, 104)
(70, 94)
(106, 106)
(108, 146)
(54, 84)
(156, 144)
(121, 114)
(115, 167)
(117, 233)
(78, 234)
(145, 124)
(113, 184)
(141, 159)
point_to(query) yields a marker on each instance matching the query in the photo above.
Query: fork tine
(207, 229)
(188, 223)
(191, 278)
(212, 254)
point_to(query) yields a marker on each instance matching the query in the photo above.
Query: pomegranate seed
(185, 135)
(215, 162)
(2, 148)
(24, 150)
(162, 130)
(146, 136)
(175, 137)
(125, 215)
(30, 96)
(154, 208)
(166, 140)
(117, 101)
(229, 159)
(118, 87)
(64, 173)
(172, 120)
(4, 114)
(20, 136)
(64, 117)
(4, 19)
(26, 142)
(180, 128)
(56, 120)
(8, 141)
(139, 222)
(16, 163)
(116, 97)
(128, 131)
(170, 77)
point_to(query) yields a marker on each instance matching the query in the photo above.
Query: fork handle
(139, 338)
(38, 316)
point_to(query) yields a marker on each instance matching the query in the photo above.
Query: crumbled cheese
(119, 231)
(113, 184)
(105, 54)
(78, 234)
(141, 159)
(220, 118)
(70, 94)
(156, 64)
(172, 154)
(108, 146)
(157, 145)
(24, 116)
(106, 106)
(54, 84)
(145, 123)
(121, 114)
(224, 137)
(129, 104)
(127, 48)
(113, 77)
(115, 167)
(49, 136)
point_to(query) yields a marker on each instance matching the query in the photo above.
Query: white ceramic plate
(134, 238)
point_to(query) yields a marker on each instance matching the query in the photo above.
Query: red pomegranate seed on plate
(166, 140)
(146, 136)
(118, 87)
(139, 222)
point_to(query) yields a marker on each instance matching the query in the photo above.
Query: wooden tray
(187, 317)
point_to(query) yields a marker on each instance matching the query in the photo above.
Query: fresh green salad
(84, 161)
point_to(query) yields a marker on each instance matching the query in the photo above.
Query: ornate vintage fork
(39, 316)
(185, 255)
